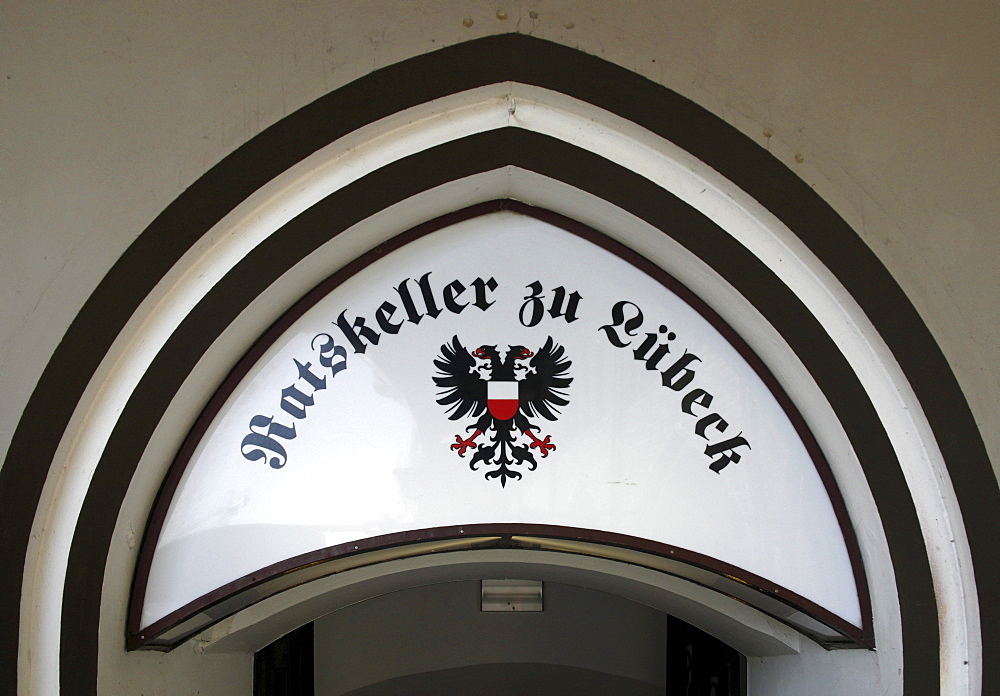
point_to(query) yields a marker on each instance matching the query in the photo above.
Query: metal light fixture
(512, 595)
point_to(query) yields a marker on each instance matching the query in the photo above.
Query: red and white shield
(501, 397)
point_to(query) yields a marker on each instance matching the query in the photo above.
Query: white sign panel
(501, 371)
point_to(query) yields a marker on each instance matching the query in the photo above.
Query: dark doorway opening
(285, 667)
(369, 638)
(701, 665)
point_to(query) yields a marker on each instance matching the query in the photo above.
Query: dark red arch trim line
(460, 67)
(863, 635)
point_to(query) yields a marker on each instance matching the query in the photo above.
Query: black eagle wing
(542, 391)
(463, 390)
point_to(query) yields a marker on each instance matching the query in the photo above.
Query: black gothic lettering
(294, 401)
(425, 289)
(533, 304)
(328, 350)
(450, 293)
(412, 315)
(725, 449)
(481, 288)
(563, 305)
(678, 375)
(695, 396)
(626, 322)
(305, 373)
(559, 300)
(629, 325)
(348, 329)
(260, 441)
(653, 360)
(703, 423)
(383, 314)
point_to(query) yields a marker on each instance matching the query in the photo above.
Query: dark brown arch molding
(465, 66)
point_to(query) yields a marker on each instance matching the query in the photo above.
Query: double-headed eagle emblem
(502, 394)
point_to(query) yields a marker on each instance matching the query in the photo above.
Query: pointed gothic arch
(128, 309)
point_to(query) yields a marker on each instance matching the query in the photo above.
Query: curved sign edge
(139, 637)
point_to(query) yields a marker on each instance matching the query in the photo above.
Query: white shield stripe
(504, 391)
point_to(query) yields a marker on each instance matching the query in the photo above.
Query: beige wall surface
(111, 109)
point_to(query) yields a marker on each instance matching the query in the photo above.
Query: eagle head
(518, 353)
(486, 353)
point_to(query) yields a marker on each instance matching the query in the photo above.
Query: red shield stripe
(502, 399)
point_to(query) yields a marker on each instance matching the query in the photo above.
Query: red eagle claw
(545, 446)
(462, 445)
